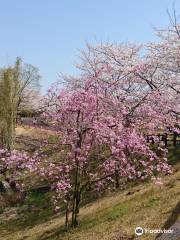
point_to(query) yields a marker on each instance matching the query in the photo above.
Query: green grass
(36, 209)
(112, 217)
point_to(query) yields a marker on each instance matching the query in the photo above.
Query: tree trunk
(78, 199)
(75, 198)
(117, 179)
(67, 215)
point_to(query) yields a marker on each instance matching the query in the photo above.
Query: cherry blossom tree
(102, 141)
(12, 165)
(163, 56)
(136, 77)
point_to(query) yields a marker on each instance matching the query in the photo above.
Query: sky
(49, 33)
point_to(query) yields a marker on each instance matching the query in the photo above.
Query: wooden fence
(166, 137)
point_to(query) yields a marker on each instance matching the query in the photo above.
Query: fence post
(165, 139)
(174, 139)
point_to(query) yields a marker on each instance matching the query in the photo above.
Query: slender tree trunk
(67, 215)
(117, 179)
(76, 194)
(74, 217)
(76, 198)
(76, 214)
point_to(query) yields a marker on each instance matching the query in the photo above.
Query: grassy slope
(109, 218)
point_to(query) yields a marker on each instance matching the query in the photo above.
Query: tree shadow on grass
(56, 233)
(173, 155)
(172, 218)
(36, 209)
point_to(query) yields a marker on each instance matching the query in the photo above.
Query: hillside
(112, 217)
